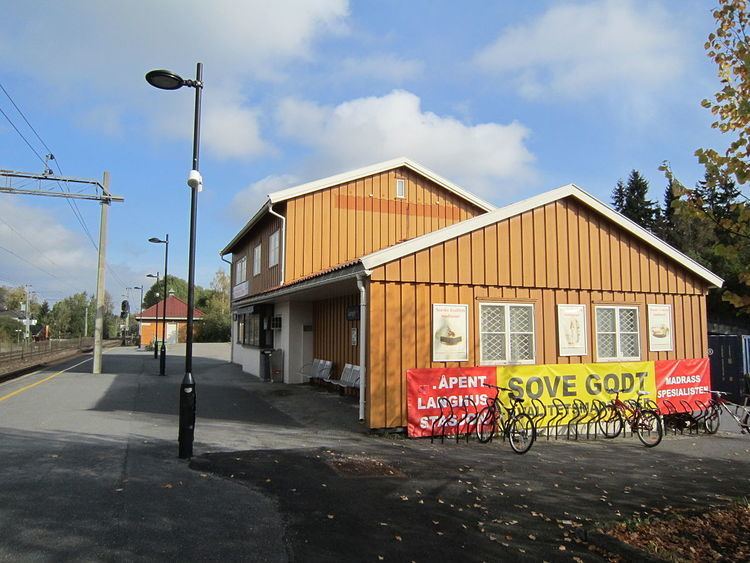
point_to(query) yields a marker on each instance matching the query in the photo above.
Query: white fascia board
(345, 177)
(389, 254)
(245, 229)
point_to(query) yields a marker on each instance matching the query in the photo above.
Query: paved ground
(283, 473)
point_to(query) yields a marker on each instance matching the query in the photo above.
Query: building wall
(268, 277)
(561, 253)
(332, 332)
(344, 222)
(149, 328)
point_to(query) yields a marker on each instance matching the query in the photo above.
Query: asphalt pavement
(287, 473)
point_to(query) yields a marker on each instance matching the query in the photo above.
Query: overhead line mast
(105, 198)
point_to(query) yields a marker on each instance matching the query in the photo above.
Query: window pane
(521, 347)
(628, 320)
(521, 318)
(493, 318)
(605, 319)
(629, 346)
(605, 345)
(493, 347)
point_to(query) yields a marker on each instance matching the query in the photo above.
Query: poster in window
(660, 328)
(571, 329)
(450, 332)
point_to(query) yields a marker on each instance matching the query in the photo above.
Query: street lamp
(156, 331)
(163, 357)
(140, 314)
(167, 80)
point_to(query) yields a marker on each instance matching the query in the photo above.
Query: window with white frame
(506, 333)
(400, 188)
(256, 260)
(240, 270)
(273, 249)
(617, 333)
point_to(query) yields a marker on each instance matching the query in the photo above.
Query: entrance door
(171, 333)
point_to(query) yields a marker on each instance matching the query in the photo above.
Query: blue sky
(505, 99)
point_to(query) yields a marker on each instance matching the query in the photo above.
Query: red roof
(176, 309)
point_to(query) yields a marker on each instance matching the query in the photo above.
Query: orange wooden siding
(560, 253)
(344, 222)
(332, 332)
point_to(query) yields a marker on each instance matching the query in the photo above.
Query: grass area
(719, 533)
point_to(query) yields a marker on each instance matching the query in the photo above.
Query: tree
(630, 200)
(8, 328)
(174, 284)
(216, 324)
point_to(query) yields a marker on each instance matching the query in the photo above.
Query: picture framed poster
(660, 329)
(450, 332)
(571, 330)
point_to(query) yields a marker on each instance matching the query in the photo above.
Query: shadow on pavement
(87, 497)
(480, 503)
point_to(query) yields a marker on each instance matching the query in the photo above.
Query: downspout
(362, 341)
(231, 344)
(282, 257)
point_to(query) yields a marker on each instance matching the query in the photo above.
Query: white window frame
(619, 356)
(400, 188)
(240, 270)
(273, 249)
(507, 305)
(257, 257)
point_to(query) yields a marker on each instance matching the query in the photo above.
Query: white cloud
(83, 48)
(490, 159)
(249, 199)
(579, 51)
(103, 118)
(388, 68)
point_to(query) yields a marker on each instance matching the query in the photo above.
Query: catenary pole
(99, 323)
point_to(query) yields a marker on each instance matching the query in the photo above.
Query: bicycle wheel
(610, 423)
(521, 433)
(712, 421)
(649, 428)
(486, 424)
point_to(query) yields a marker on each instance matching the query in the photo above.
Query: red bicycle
(646, 423)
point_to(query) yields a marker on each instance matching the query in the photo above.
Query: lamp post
(163, 356)
(140, 314)
(167, 80)
(156, 330)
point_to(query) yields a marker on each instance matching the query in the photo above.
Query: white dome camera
(195, 180)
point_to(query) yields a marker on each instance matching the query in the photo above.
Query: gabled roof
(309, 187)
(571, 190)
(176, 310)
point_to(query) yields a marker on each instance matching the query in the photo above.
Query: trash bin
(265, 365)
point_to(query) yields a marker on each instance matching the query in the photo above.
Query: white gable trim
(345, 177)
(457, 229)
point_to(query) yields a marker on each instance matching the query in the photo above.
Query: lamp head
(156, 240)
(152, 275)
(164, 79)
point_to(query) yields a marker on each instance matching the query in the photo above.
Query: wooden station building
(151, 321)
(355, 268)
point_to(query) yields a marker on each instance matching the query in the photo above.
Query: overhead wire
(71, 203)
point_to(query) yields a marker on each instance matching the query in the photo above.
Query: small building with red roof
(176, 321)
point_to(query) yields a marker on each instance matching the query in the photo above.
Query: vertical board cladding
(572, 237)
(332, 332)
(338, 224)
(269, 277)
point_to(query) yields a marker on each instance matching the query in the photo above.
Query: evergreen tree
(630, 200)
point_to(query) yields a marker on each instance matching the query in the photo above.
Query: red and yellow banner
(674, 385)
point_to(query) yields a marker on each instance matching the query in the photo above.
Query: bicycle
(713, 418)
(517, 427)
(646, 423)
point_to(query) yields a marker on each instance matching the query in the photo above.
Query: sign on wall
(462, 388)
(450, 332)
(571, 329)
(660, 328)
(683, 384)
(240, 290)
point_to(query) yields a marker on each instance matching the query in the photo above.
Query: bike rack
(561, 411)
(467, 418)
(446, 416)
